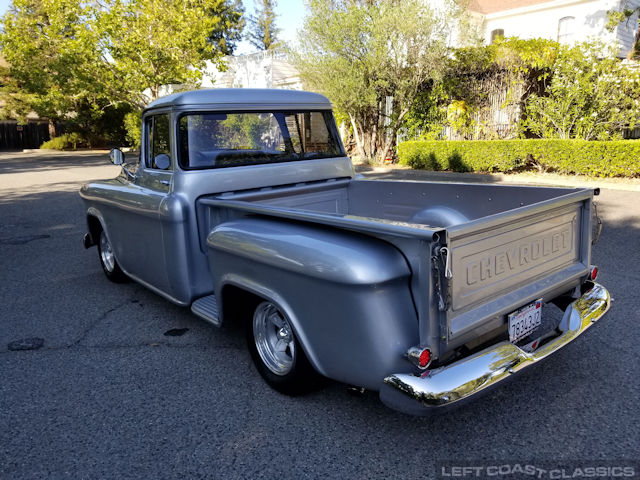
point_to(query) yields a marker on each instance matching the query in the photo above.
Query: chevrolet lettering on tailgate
(516, 255)
(489, 262)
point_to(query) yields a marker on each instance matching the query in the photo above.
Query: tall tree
(228, 31)
(263, 32)
(64, 54)
(372, 57)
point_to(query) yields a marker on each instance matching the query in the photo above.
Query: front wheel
(108, 260)
(277, 353)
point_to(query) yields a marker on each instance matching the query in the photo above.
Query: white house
(567, 21)
(267, 69)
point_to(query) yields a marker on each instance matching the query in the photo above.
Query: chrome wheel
(106, 253)
(274, 340)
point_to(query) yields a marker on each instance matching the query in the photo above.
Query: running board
(207, 309)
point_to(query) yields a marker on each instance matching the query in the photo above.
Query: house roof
(493, 6)
(243, 98)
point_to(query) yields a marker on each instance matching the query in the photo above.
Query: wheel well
(238, 303)
(94, 228)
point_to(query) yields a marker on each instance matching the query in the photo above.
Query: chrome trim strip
(156, 290)
(421, 394)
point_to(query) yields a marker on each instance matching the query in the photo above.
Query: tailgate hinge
(441, 260)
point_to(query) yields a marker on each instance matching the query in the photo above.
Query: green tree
(46, 46)
(372, 58)
(66, 55)
(228, 31)
(263, 32)
(589, 97)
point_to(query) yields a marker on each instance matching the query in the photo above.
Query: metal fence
(631, 133)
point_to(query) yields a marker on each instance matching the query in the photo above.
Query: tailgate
(502, 262)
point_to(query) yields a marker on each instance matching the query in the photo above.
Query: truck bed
(506, 245)
(422, 203)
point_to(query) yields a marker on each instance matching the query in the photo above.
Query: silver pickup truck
(244, 207)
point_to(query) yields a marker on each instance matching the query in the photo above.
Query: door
(135, 227)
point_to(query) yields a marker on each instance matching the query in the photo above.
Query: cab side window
(158, 148)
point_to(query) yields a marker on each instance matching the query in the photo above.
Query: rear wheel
(108, 260)
(276, 351)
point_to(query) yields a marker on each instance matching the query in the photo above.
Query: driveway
(111, 393)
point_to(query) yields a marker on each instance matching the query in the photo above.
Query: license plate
(524, 321)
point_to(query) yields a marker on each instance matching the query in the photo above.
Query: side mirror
(116, 156)
(162, 161)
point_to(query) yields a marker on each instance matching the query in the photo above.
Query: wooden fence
(19, 137)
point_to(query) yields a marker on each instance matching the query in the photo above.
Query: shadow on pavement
(17, 162)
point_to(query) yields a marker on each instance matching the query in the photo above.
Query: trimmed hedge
(618, 158)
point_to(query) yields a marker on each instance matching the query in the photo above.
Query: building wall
(542, 21)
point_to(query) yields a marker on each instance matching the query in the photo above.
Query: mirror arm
(127, 171)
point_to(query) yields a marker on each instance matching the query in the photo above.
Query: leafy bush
(68, 141)
(619, 158)
(133, 127)
(461, 103)
(589, 97)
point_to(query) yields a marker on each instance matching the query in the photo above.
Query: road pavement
(110, 394)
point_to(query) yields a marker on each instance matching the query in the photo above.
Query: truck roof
(252, 98)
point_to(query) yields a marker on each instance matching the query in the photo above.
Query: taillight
(593, 273)
(425, 358)
(419, 356)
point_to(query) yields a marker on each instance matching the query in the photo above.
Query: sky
(290, 16)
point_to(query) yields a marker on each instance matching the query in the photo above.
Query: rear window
(219, 140)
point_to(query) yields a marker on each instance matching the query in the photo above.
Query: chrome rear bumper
(444, 386)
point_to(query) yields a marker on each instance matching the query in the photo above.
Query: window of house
(158, 151)
(497, 33)
(566, 29)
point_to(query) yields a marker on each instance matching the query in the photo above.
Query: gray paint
(247, 98)
(318, 253)
(385, 209)
(307, 270)
(349, 261)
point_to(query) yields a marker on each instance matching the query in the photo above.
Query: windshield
(218, 140)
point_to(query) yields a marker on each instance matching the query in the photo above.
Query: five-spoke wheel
(108, 260)
(273, 337)
(276, 351)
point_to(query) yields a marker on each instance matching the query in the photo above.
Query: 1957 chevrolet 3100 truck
(243, 205)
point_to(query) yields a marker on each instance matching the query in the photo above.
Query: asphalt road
(109, 395)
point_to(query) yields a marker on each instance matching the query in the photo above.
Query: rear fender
(273, 296)
(346, 295)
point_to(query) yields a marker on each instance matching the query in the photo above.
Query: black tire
(287, 371)
(110, 265)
